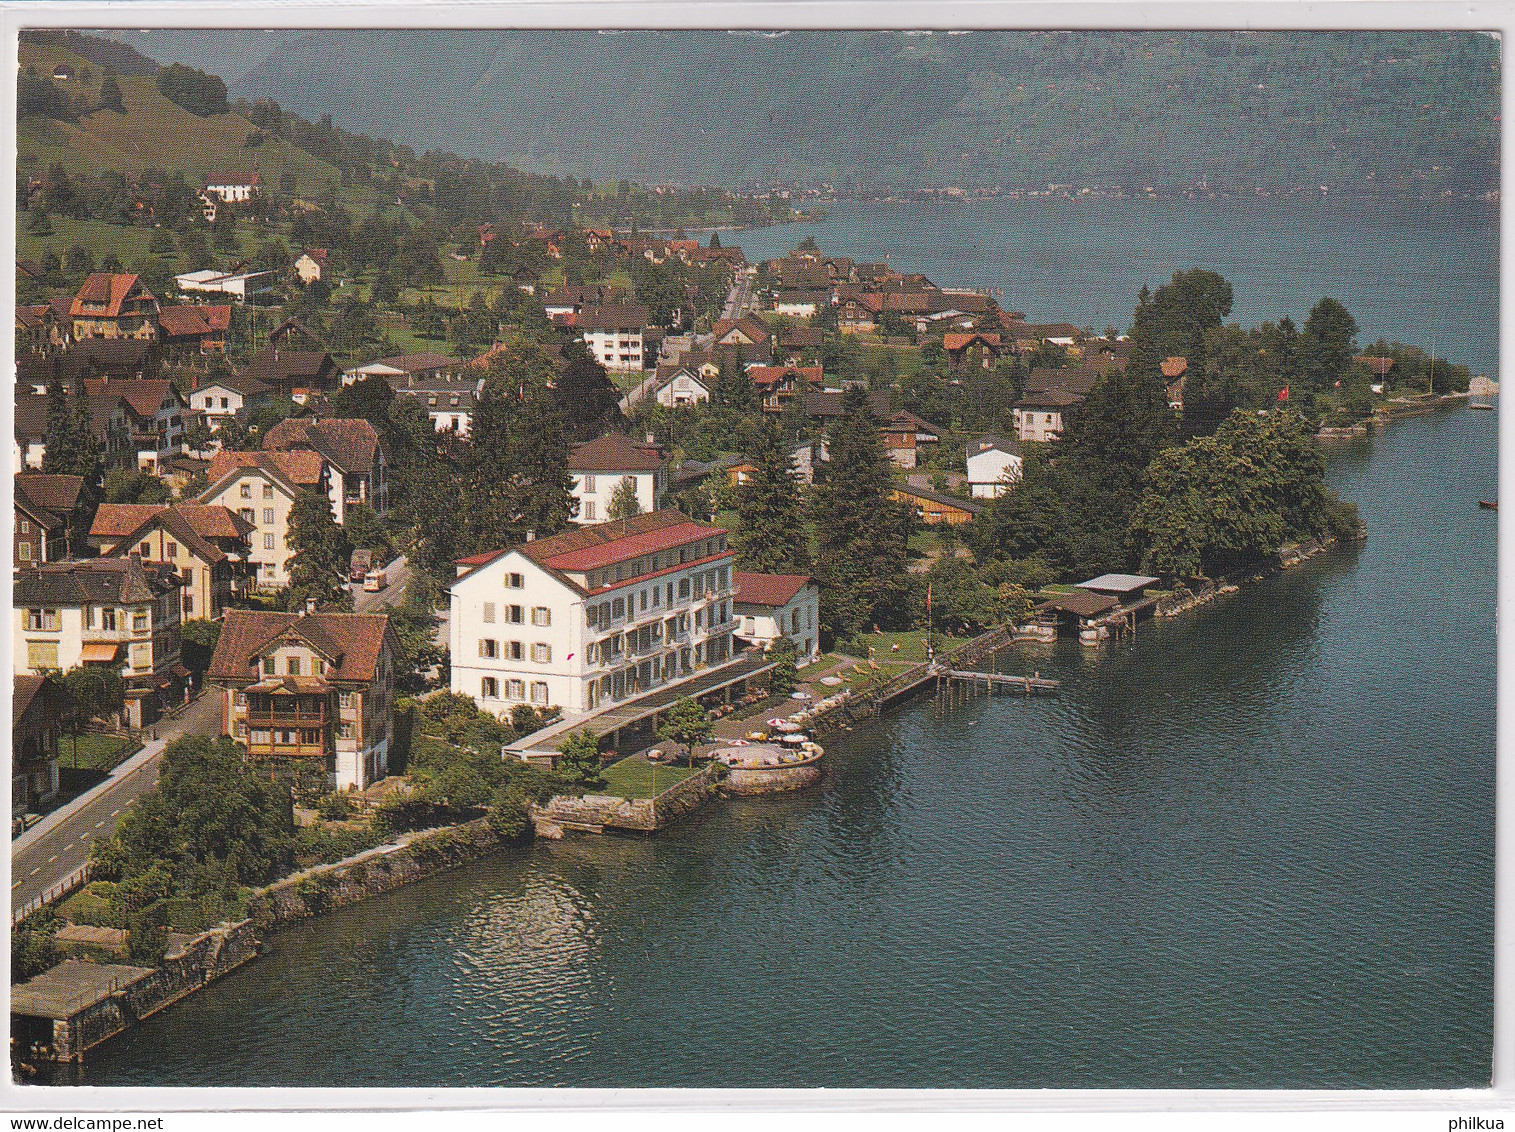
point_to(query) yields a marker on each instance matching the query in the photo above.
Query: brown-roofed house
(46, 509)
(600, 466)
(351, 446)
(36, 712)
(208, 544)
(311, 685)
(194, 326)
(114, 306)
(773, 606)
(778, 385)
(296, 374)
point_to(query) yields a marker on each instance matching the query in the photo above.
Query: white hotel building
(593, 616)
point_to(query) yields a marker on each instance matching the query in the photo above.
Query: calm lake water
(1252, 847)
(1419, 273)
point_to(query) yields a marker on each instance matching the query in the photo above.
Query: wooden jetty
(1489, 504)
(995, 681)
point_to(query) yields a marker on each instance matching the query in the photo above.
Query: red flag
(1283, 394)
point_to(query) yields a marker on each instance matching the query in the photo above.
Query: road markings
(53, 858)
(35, 871)
(113, 813)
(98, 824)
(67, 847)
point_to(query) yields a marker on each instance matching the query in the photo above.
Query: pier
(999, 681)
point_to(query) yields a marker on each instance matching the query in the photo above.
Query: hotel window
(242, 699)
(517, 614)
(247, 514)
(142, 657)
(171, 550)
(268, 514)
(699, 615)
(618, 608)
(25, 551)
(541, 654)
(644, 601)
(241, 729)
(108, 620)
(293, 666)
(26, 527)
(268, 666)
(146, 549)
(516, 690)
(539, 692)
(320, 666)
(588, 483)
(517, 650)
(515, 581)
(345, 699)
(489, 650)
(489, 613)
(268, 541)
(683, 588)
(657, 593)
(541, 616)
(189, 602)
(344, 729)
(268, 491)
(139, 621)
(489, 688)
(247, 491)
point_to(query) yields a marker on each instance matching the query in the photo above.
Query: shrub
(334, 807)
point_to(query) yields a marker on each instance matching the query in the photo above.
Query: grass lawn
(633, 777)
(911, 645)
(96, 751)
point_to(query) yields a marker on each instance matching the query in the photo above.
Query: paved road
(61, 843)
(398, 573)
(740, 299)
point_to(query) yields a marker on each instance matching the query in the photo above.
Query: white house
(993, 465)
(448, 402)
(770, 606)
(613, 334)
(220, 399)
(599, 466)
(685, 385)
(800, 304)
(311, 266)
(592, 616)
(261, 487)
(233, 188)
(240, 284)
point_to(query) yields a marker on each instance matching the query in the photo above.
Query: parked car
(362, 562)
(374, 581)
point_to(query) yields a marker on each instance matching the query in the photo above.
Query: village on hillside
(446, 519)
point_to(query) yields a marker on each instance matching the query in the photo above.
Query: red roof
(192, 319)
(145, 396)
(629, 547)
(103, 288)
(1379, 366)
(767, 589)
(352, 642)
(955, 341)
(301, 468)
(1175, 367)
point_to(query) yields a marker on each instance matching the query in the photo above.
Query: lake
(1251, 847)
(1419, 273)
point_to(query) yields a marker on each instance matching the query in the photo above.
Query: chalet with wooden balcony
(316, 686)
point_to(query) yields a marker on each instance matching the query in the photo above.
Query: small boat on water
(1489, 504)
(1481, 405)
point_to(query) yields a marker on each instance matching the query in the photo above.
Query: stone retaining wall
(771, 779)
(371, 873)
(640, 815)
(200, 961)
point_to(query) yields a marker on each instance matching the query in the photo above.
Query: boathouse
(1103, 607)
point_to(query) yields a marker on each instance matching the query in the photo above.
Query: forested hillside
(1390, 113)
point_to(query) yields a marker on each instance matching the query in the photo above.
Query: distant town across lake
(1422, 273)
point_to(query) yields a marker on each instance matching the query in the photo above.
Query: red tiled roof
(117, 520)
(955, 341)
(103, 287)
(302, 469)
(623, 549)
(1175, 367)
(767, 589)
(191, 319)
(753, 328)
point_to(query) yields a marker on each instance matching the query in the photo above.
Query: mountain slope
(1399, 112)
(153, 133)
